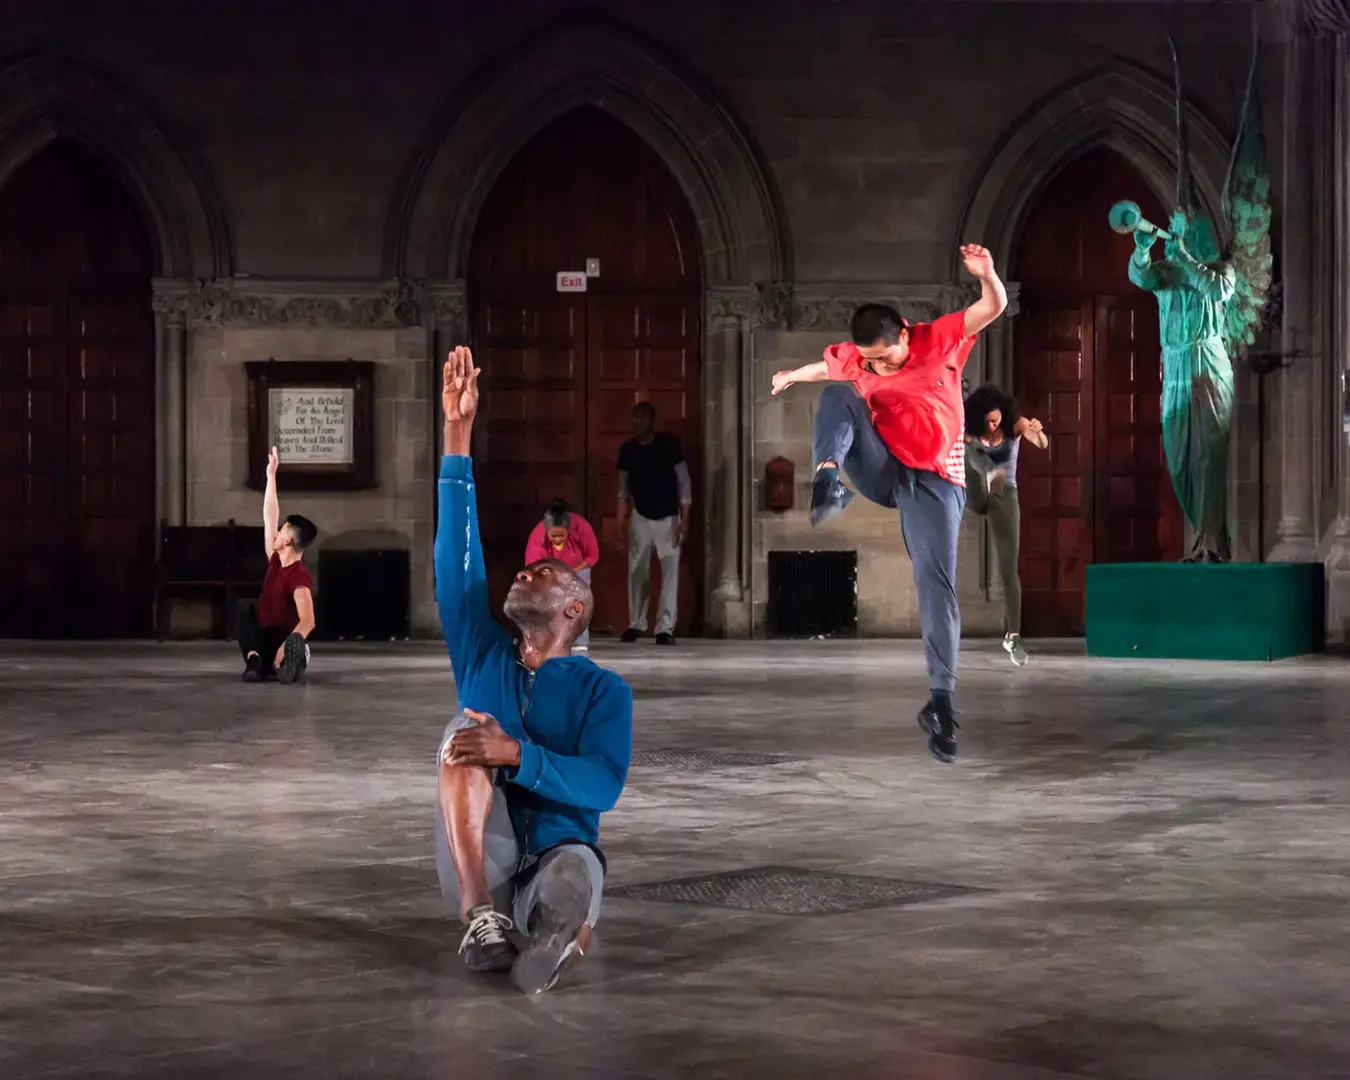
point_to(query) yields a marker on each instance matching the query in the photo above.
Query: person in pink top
(569, 538)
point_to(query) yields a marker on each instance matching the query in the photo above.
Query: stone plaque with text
(320, 417)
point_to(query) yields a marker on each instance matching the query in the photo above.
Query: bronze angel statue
(1212, 295)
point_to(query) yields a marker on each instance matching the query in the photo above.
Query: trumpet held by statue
(1126, 217)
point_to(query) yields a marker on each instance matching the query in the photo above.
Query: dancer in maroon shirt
(272, 634)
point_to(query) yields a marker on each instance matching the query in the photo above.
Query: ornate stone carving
(830, 306)
(449, 308)
(959, 294)
(731, 305)
(235, 302)
(774, 304)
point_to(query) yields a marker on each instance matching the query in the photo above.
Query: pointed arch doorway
(561, 371)
(77, 402)
(1087, 362)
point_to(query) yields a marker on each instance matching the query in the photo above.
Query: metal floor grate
(702, 760)
(783, 890)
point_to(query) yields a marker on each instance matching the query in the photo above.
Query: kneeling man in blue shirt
(539, 749)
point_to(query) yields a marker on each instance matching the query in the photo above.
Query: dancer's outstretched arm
(1031, 430)
(993, 296)
(461, 577)
(817, 372)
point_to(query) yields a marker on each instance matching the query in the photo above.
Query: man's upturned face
(886, 359)
(538, 594)
(284, 538)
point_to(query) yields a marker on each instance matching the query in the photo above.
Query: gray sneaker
(1012, 645)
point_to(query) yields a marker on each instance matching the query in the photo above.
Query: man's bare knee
(465, 778)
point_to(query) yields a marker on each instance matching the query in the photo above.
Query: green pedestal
(1235, 611)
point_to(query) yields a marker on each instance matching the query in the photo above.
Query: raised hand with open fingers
(459, 391)
(978, 260)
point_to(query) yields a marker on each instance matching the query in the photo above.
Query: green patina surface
(1211, 303)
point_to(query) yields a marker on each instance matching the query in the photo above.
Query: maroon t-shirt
(276, 602)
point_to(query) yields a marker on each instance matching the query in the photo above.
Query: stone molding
(813, 306)
(240, 302)
(399, 303)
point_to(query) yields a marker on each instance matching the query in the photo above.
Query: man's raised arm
(471, 633)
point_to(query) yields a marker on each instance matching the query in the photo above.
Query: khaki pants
(644, 537)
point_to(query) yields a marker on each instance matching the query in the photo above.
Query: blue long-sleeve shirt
(573, 719)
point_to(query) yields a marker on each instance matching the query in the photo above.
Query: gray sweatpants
(930, 518)
(514, 891)
(1005, 529)
(645, 536)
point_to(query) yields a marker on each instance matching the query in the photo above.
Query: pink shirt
(580, 550)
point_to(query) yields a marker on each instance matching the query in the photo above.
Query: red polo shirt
(276, 602)
(918, 411)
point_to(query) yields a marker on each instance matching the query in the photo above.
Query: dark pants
(263, 640)
(930, 518)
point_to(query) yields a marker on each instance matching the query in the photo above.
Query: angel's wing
(1246, 213)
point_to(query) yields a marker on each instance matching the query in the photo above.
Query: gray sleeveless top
(1003, 456)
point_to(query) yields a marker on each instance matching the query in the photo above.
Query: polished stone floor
(1149, 867)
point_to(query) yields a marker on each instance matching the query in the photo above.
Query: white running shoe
(1012, 645)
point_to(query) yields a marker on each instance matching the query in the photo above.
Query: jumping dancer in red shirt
(902, 445)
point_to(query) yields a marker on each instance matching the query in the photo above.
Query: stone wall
(396, 514)
(842, 150)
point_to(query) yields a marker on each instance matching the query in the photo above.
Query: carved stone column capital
(170, 299)
(447, 305)
(731, 305)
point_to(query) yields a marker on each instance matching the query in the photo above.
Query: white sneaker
(1012, 645)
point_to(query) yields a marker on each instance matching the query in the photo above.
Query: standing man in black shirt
(654, 476)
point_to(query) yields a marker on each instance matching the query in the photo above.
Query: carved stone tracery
(226, 302)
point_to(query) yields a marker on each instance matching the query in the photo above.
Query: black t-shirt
(652, 483)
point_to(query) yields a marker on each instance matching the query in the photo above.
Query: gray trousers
(644, 537)
(1005, 530)
(514, 890)
(930, 518)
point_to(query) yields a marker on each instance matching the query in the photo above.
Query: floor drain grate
(781, 890)
(700, 760)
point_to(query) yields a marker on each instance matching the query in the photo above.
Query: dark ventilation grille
(813, 593)
(363, 596)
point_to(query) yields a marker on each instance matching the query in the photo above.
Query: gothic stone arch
(1121, 105)
(46, 96)
(715, 163)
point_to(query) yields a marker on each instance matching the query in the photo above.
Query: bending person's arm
(471, 632)
(1030, 429)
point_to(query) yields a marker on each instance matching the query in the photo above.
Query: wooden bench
(220, 560)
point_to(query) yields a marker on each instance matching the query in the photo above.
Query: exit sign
(572, 281)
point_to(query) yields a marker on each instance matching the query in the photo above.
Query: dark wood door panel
(77, 403)
(561, 372)
(1088, 364)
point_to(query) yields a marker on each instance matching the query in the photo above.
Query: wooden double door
(77, 394)
(562, 371)
(1088, 364)
(560, 378)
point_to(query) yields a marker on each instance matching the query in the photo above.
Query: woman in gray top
(994, 434)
